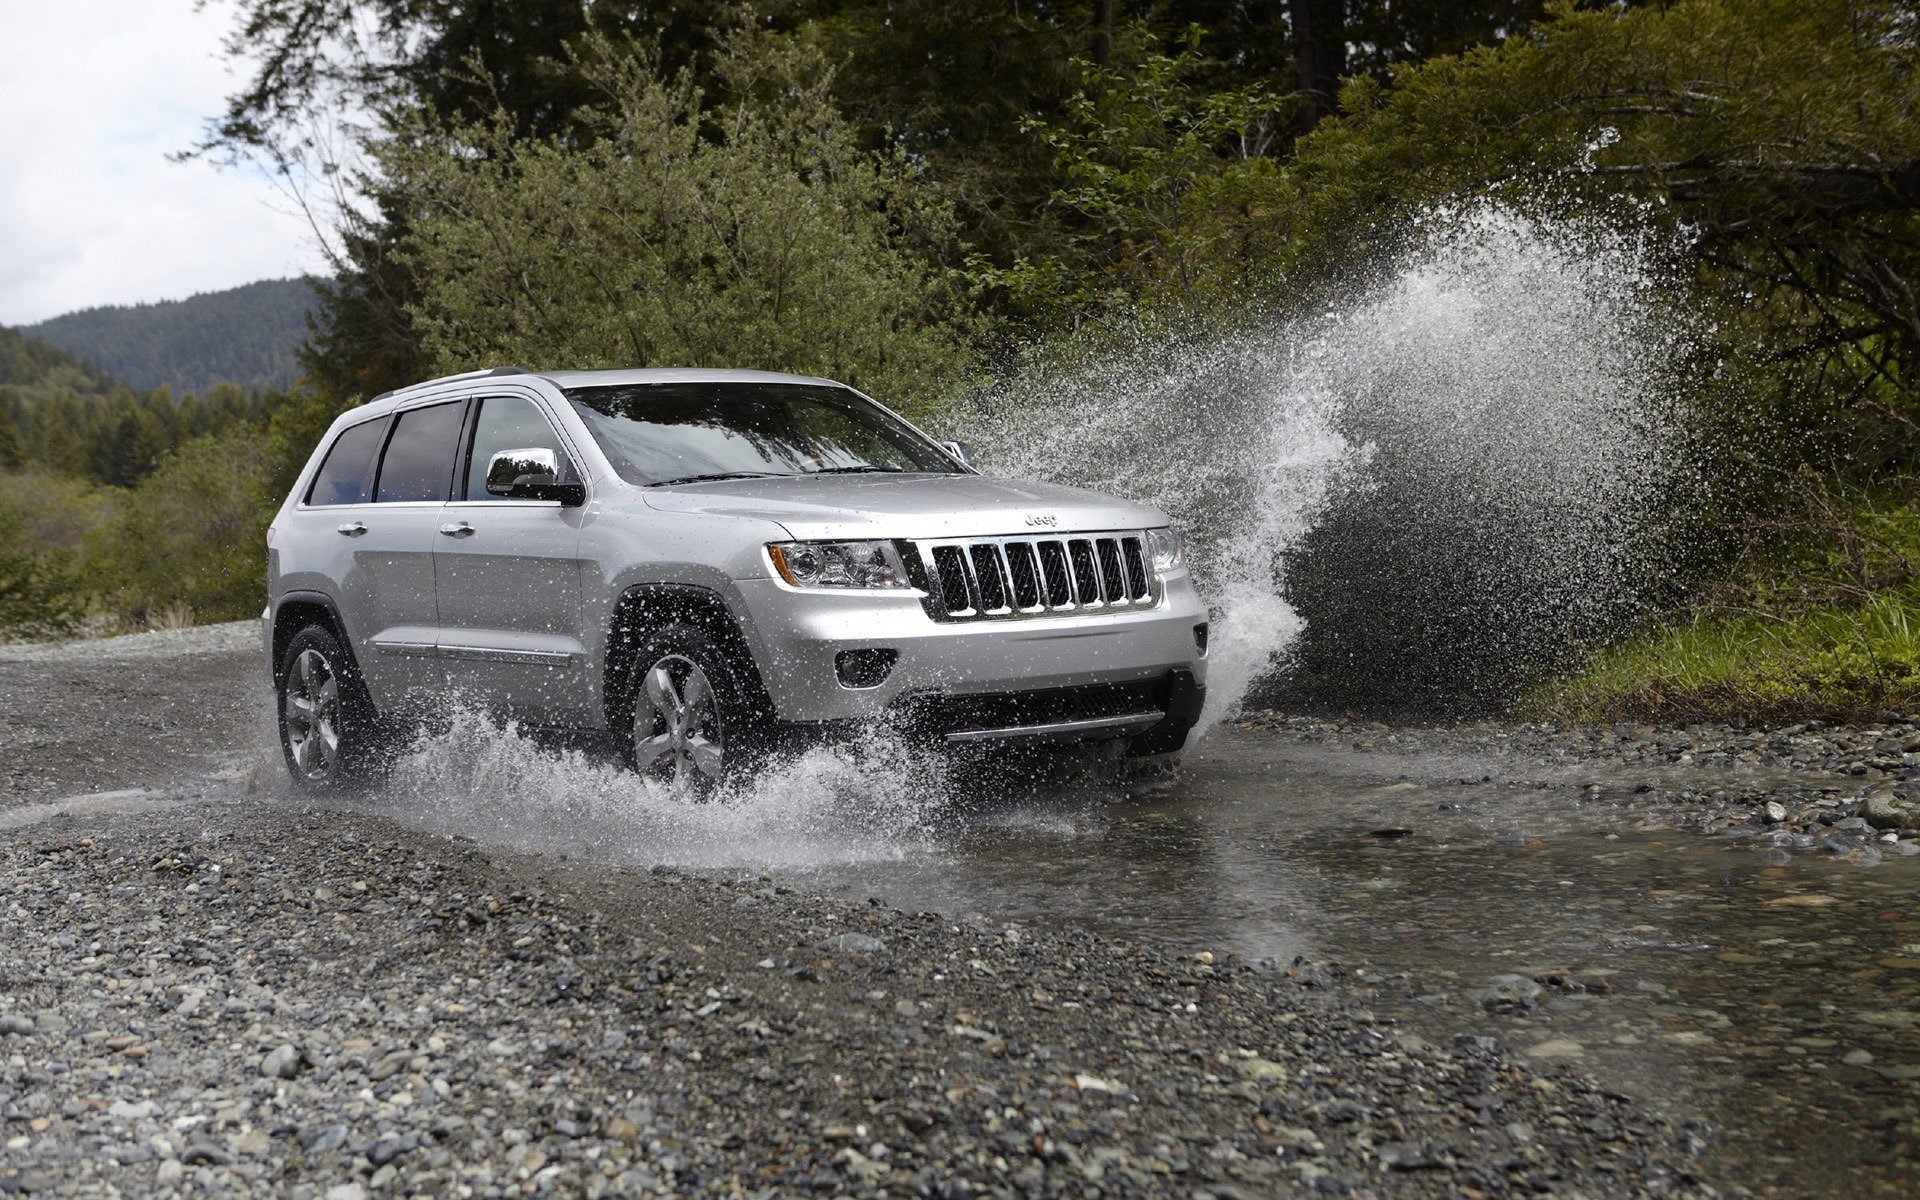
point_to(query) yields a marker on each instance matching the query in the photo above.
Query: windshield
(656, 433)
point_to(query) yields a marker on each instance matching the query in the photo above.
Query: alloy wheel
(312, 711)
(677, 735)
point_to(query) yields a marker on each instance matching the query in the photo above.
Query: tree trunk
(1102, 33)
(1319, 54)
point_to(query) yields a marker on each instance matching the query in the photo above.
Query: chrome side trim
(477, 653)
(421, 649)
(1061, 729)
(495, 654)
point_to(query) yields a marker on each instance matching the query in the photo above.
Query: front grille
(991, 578)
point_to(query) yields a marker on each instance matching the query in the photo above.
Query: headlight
(838, 564)
(1164, 546)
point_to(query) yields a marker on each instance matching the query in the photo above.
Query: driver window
(509, 423)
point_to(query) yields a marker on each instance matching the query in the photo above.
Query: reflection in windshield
(656, 433)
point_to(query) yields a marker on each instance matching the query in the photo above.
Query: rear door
(391, 609)
(507, 573)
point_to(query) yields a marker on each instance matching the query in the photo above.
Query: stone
(325, 1141)
(283, 1062)
(1884, 812)
(205, 1154)
(385, 1150)
(858, 942)
(1556, 1048)
(1776, 811)
(346, 1191)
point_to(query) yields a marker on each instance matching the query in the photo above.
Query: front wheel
(326, 717)
(689, 720)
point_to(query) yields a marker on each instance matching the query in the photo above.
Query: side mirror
(531, 474)
(957, 451)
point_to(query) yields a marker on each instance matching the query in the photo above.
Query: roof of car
(615, 377)
(620, 376)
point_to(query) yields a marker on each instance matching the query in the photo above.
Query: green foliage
(67, 417)
(753, 233)
(44, 519)
(243, 336)
(1777, 135)
(1819, 617)
(1140, 148)
(1841, 663)
(191, 535)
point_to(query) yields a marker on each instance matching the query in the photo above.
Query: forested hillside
(120, 507)
(245, 336)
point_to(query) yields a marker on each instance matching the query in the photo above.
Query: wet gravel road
(210, 986)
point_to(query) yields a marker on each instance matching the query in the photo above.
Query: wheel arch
(295, 611)
(650, 606)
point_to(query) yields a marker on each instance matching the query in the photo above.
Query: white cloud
(94, 94)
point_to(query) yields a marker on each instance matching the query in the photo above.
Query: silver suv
(703, 564)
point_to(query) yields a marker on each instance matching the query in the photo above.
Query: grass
(1825, 623)
(1839, 663)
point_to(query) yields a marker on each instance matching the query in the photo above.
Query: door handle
(458, 529)
(353, 528)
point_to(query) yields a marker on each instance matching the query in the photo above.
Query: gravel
(1849, 791)
(128, 712)
(310, 1003)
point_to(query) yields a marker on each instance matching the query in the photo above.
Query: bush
(192, 535)
(754, 233)
(44, 522)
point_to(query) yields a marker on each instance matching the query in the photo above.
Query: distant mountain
(30, 366)
(244, 335)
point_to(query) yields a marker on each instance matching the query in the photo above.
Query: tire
(328, 731)
(689, 725)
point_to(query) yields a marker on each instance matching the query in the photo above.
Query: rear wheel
(690, 726)
(326, 717)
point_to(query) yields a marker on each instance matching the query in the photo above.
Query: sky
(94, 94)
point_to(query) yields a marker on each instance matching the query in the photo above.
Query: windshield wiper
(864, 467)
(723, 475)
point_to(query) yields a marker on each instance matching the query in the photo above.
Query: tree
(754, 232)
(1319, 55)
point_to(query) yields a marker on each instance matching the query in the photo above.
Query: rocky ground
(123, 712)
(230, 999)
(218, 994)
(1851, 791)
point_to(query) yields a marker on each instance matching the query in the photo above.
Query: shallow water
(1780, 1004)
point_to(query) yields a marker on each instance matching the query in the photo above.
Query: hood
(907, 506)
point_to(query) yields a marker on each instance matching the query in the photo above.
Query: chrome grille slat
(1018, 576)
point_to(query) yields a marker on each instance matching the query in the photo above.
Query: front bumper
(797, 636)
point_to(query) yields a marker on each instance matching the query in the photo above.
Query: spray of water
(1451, 468)
(831, 805)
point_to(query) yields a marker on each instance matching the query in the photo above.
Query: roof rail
(483, 373)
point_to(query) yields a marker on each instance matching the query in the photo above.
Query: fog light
(864, 668)
(1200, 638)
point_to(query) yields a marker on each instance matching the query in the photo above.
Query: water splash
(1450, 471)
(874, 800)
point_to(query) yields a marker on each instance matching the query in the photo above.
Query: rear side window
(346, 475)
(509, 423)
(419, 460)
